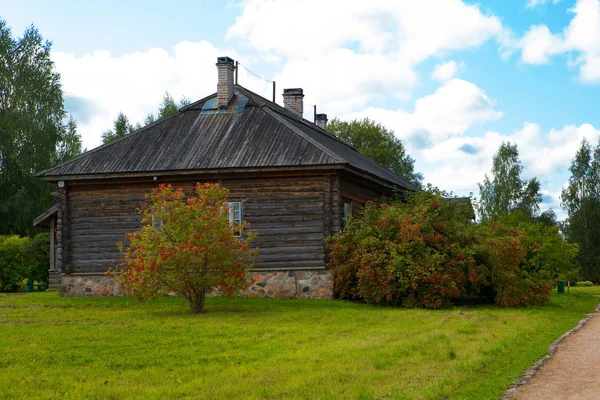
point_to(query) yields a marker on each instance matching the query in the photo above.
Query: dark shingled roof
(252, 133)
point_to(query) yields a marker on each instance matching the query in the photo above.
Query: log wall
(357, 194)
(291, 215)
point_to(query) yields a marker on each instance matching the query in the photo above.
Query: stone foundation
(90, 285)
(301, 284)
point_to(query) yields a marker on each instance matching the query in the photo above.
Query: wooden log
(285, 231)
(291, 250)
(256, 225)
(290, 265)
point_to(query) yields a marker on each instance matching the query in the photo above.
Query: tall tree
(70, 146)
(121, 128)
(32, 131)
(581, 200)
(375, 141)
(166, 108)
(506, 192)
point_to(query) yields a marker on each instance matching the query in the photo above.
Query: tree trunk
(196, 300)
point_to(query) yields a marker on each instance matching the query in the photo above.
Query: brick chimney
(225, 68)
(321, 121)
(292, 100)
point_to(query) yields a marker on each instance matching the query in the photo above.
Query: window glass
(156, 221)
(347, 214)
(235, 215)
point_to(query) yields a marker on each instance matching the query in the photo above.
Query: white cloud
(357, 52)
(581, 37)
(538, 44)
(459, 163)
(445, 71)
(449, 111)
(343, 80)
(415, 29)
(535, 3)
(135, 83)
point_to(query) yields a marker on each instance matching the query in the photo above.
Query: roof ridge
(281, 114)
(290, 114)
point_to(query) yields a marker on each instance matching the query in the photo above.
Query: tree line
(505, 193)
(122, 126)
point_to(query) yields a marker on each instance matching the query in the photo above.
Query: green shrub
(23, 258)
(513, 276)
(39, 253)
(526, 265)
(585, 283)
(426, 252)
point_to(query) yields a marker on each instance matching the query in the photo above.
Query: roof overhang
(223, 172)
(43, 220)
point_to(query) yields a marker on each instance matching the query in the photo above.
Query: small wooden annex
(290, 179)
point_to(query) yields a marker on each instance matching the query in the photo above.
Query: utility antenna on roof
(259, 77)
(315, 114)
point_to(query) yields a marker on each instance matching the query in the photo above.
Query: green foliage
(70, 146)
(415, 254)
(516, 263)
(168, 106)
(505, 192)
(581, 200)
(375, 141)
(554, 253)
(547, 218)
(187, 246)
(121, 127)
(585, 283)
(32, 131)
(23, 258)
(428, 253)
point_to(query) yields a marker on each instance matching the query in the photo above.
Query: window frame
(346, 214)
(231, 213)
(156, 222)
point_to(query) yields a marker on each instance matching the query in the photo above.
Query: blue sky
(452, 78)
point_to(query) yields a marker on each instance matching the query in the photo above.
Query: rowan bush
(413, 253)
(427, 252)
(186, 245)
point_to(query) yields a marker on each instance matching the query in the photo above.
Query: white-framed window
(156, 222)
(347, 214)
(235, 215)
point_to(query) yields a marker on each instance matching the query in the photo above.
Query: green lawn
(115, 348)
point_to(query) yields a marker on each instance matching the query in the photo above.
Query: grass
(115, 348)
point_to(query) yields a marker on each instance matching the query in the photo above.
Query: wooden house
(290, 179)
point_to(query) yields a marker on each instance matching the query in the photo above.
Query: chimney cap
(321, 116)
(294, 91)
(224, 60)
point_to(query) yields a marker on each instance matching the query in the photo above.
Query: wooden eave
(43, 220)
(222, 172)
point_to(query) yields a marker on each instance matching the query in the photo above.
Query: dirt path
(573, 372)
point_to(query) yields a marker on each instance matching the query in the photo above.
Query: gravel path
(573, 372)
